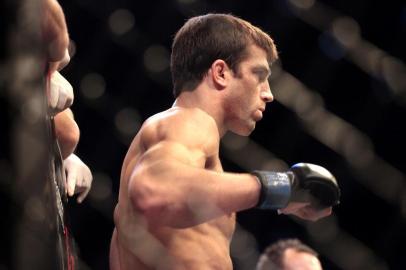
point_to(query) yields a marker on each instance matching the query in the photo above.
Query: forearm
(177, 195)
(67, 132)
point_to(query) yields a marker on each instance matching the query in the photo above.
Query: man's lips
(258, 114)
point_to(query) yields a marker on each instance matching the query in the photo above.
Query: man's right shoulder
(180, 118)
(179, 124)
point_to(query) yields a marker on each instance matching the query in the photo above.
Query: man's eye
(262, 77)
(261, 74)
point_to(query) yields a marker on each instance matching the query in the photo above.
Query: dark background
(121, 76)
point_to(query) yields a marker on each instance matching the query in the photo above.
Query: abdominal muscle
(206, 246)
(135, 245)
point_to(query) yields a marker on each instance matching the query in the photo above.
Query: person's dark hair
(204, 39)
(272, 257)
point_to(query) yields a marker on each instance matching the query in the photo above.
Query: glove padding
(78, 177)
(304, 182)
(315, 184)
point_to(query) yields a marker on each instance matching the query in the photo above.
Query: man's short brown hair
(204, 39)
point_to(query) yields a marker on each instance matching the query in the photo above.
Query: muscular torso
(136, 244)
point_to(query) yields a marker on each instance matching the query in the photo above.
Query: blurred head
(204, 39)
(289, 254)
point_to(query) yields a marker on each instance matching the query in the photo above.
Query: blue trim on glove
(275, 189)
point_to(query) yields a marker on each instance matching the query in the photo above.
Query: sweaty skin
(182, 136)
(176, 207)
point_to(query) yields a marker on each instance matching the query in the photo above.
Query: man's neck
(205, 101)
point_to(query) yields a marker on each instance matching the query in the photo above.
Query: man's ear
(220, 73)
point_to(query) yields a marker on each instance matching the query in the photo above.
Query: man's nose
(266, 94)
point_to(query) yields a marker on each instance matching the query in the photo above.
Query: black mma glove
(304, 182)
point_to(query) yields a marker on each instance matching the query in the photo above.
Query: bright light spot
(128, 122)
(121, 21)
(93, 85)
(156, 58)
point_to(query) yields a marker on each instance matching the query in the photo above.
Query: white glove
(60, 96)
(78, 177)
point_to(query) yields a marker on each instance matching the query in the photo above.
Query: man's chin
(246, 131)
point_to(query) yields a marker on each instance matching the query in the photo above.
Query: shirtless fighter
(176, 207)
